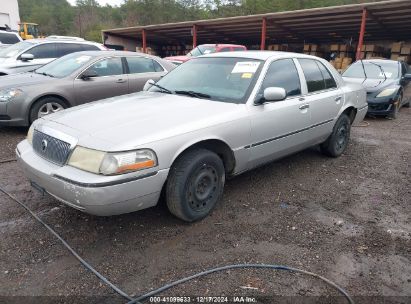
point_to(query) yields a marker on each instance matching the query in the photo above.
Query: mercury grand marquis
(211, 118)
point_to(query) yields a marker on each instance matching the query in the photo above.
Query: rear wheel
(337, 142)
(195, 184)
(396, 108)
(46, 106)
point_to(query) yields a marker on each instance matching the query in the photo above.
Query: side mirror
(26, 57)
(149, 83)
(273, 94)
(88, 74)
(407, 76)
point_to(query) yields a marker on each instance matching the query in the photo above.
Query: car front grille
(378, 107)
(51, 148)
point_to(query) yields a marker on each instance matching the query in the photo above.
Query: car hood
(178, 58)
(372, 85)
(136, 119)
(23, 79)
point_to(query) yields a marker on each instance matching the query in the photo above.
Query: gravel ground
(347, 219)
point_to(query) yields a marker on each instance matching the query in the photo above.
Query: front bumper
(380, 106)
(104, 198)
(12, 114)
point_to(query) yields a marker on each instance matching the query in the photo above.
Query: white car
(29, 55)
(213, 117)
(8, 38)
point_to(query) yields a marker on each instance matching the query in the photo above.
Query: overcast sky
(102, 2)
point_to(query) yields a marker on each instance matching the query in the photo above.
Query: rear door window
(226, 49)
(89, 47)
(8, 38)
(313, 75)
(68, 48)
(107, 67)
(141, 65)
(328, 78)
(47, 50)
(236, 48)
(283, 73)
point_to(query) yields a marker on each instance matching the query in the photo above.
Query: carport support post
(263, 33)
(362, 31)
(194, 33)
(144, 38)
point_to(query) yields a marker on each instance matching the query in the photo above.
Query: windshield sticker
(245, 67)
(387, 74)
(82, 59)
(247, 75)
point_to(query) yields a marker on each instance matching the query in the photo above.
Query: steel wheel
(49, 108)
(202, 187)
(342, 138)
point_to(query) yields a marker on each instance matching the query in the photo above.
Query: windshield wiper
(193, 94)
(382, 70)
(45, 74)
(163, 89)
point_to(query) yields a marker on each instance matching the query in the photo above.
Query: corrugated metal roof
(386, 20)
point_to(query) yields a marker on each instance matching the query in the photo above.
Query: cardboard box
(345, 66)
(338, 65)
(406, 50)
(306, 48)
(314, 47)
(347, 60)
(373, 48)
(334, 47)
(404, 58)
(338, 59)
(394, 56)
(396, 47)
(364, 46)
(342, 54)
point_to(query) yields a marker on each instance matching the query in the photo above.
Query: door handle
(304, 106)
(121, 81)
(338, 99)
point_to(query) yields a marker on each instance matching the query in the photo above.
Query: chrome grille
(51, 148)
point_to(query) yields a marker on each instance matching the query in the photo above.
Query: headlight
(109, 163)
(387, 92)
(30, 134)
(9, 94)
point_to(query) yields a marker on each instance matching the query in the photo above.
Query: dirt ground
(347, 219)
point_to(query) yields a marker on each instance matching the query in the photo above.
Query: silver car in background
(31, 54)
(213, 117)
(75, 79)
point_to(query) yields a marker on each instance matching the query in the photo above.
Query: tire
(195, 184)
(46, 105)
(396, 109)
(337, 142)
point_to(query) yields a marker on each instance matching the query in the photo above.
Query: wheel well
(351, 113)
(220, 148)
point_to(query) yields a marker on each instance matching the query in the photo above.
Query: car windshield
(65, 65)
(202, 50)
(373, 70)
(219, 79)
(15, 49)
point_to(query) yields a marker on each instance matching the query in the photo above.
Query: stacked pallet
(341, 63)
(401, 51)
(342, 50)
(278, 47)
(372, 51)
(313, 50)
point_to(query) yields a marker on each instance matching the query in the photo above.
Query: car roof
(222, 44)
(105, 53)
(62, 40)
(260, 55)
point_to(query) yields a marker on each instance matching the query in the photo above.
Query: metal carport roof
(386, 20)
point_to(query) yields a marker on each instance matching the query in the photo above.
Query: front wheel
(337, 142)
(195, 184)
(46, 106)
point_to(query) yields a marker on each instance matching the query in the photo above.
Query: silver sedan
(211, 118)
(75, 79)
